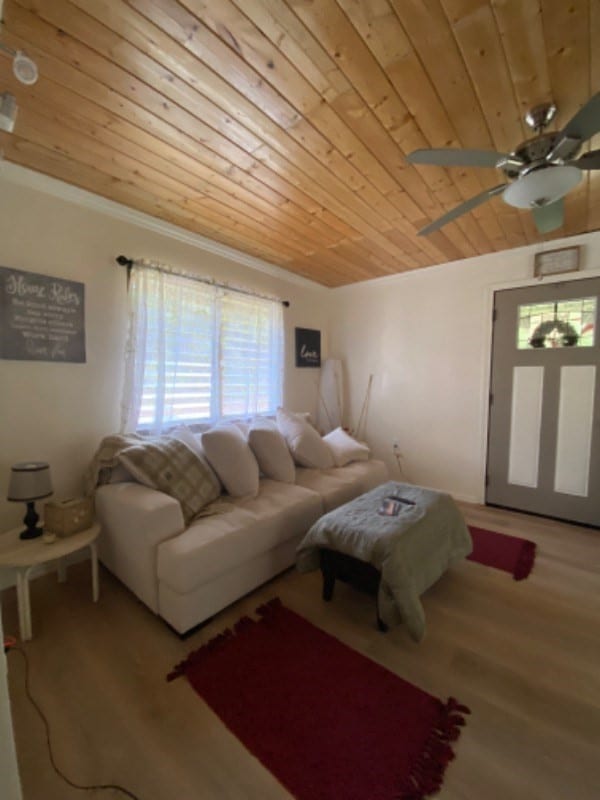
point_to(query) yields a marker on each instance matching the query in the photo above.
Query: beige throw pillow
(271, 451)
(306, 445)
(344, 448)
(228, 453)
(173, 468)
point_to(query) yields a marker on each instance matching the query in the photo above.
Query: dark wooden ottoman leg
(328, 570)
(380, 623)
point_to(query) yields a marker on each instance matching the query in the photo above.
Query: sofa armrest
(135, 520)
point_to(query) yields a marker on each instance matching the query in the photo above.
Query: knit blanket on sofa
(106, 459)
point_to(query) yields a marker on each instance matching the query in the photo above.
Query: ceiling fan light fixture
(540, 116)
(542, 186)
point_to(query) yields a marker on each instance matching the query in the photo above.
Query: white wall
(425, 336)
(59, 412)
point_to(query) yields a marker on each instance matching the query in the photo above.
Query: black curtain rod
(123, 261)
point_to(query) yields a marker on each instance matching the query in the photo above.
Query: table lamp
(30, 481)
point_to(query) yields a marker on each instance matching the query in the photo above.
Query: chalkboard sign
(41, 318)
(308, 347)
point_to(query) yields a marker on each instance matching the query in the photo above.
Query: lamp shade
(29, 480)
(542, 187)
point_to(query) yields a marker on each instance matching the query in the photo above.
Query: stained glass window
(566, 323)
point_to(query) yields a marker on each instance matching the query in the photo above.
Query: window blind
(197, 353)
(250, 357)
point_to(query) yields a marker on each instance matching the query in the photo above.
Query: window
(198, 353)
(567, 323)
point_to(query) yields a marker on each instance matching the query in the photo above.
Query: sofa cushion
(342, 484)
(271, 451)
(365, 475)
(345, 448)
(335, 490)
(229, 455)
(214, 545)
(173, 468)
(306, 445)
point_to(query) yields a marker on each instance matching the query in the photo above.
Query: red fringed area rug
(509, 553)
(328, 722)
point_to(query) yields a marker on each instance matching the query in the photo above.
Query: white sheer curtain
(197, 353)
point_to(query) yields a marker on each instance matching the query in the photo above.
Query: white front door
(544, 430)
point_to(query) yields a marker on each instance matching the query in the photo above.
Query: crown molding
(73, 194)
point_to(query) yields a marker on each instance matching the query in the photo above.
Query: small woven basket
(66, 517)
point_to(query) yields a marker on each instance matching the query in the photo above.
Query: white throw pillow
(227, 451)
(306, 446)
(185, 435)
(271, 451)
(344, 448)
(244, 427)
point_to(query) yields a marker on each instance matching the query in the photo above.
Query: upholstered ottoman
(398, 555)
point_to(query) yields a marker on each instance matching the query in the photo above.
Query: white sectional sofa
(188, 574)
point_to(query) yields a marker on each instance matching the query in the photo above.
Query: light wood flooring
(525, 656)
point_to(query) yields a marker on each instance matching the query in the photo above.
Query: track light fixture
(24, 68)
(8, 112)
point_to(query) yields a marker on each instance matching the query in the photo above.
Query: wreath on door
(568, 335)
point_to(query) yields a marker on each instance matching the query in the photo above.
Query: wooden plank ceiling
(280, 127)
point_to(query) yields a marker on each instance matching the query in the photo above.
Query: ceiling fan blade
(549, 218)
(589, 160)
(463, 208)
(456, 157)
(586, 121)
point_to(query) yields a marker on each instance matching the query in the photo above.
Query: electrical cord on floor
(10, 646)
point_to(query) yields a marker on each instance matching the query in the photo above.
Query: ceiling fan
(542, 170)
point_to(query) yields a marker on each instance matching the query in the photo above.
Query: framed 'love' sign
(308, 347)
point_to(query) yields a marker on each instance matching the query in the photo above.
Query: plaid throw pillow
(173, 468)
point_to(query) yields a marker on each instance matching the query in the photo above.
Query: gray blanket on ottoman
(411, 550)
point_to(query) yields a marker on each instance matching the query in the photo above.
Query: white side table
(25, 555)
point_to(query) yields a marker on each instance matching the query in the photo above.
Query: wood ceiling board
(284, 29)
(463, 121)
(55, 165)
(319, 143)
(482, 50)
(190, 173)
(189, 149)
(281, 127)
(343, 43)
(95, 77)
(45, 128)
(130, 109)
(521, 30)
(391, 47)
(567, 27)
